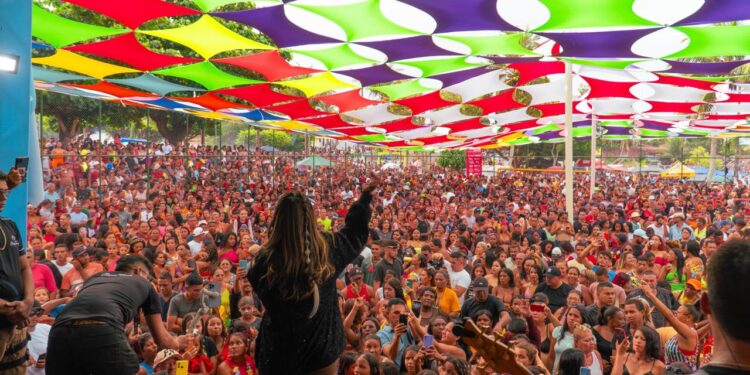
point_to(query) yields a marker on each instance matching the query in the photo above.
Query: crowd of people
(623, 288)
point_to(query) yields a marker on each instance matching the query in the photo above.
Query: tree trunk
(171, 128)
(712, 160)
(67, 128)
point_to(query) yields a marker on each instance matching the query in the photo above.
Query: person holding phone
(397, 333)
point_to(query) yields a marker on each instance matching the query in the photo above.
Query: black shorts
(89, 349)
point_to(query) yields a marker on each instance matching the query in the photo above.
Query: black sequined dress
(291, 343)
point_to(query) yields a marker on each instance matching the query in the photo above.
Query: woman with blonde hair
(295, 277)
(583, 339)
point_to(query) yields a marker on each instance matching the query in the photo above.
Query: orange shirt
(448, 301)
(72, 279)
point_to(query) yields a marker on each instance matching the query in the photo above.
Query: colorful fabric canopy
(413, 74)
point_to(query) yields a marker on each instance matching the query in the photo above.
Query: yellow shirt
(448, 301)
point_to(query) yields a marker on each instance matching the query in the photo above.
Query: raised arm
(685, 332)
(351, 239)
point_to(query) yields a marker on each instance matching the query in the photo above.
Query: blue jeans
(90, 350)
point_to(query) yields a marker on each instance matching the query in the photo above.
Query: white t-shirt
(63, 269)
(38, 346)
(195, 247)
(460, 278)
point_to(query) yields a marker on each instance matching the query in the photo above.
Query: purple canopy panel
(655, 125)
(598, 44)
(273, 22)
(617, 130)
(452, 78)
(467, 15)
(407, 48)
(704, 68)
(714, 11)
(373, 74)
(546, 136)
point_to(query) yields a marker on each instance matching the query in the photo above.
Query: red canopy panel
(133, 13)
(518, 126)
(499, 103)
(348, 100)
(465, 125)
(426, 102)
(260, 95)
(556, 109)
(673, 107)
(328, 122)
(112, 89)
(399, 125)
(211, 101)
(607, 89)
(435, 140)
(685, 82)
(354, 131)
(533, 70)
(298, 109)
(270, 64)
(126, 49)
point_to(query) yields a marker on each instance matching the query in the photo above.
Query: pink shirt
(43, 278)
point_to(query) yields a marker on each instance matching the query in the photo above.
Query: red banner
(473, 162)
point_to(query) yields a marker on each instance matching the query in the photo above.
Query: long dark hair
(653, 343)
(565, 326)
(680, 262)
(571, 361)
(511, 277)
(292, 272)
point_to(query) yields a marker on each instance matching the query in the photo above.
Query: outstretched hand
(374, 183)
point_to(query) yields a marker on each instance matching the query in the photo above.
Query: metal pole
(247, 151)
(640, 158)
(682, 155)
(273, 159)
(569, 141)
(99, 151)
(592, 177)
(41, 116)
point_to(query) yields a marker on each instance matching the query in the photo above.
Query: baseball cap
(640, 233)
(355, 272)
(458, 253)
(78, 251)
(197, 231)
(694, 283)
(202, 222)
(553, 271)
(635, 214)
(556, 252)
(163, 355)
(480, 283)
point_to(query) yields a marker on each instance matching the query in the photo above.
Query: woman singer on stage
(295, 276)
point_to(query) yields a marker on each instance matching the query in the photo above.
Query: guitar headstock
(495, 353)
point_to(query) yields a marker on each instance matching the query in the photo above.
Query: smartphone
(428, 339)
(403, 319)
(537, 308)
(243, 264)
(22, 164)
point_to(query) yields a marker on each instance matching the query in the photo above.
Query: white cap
(197, 232)
(556, 252)
(202, 222)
